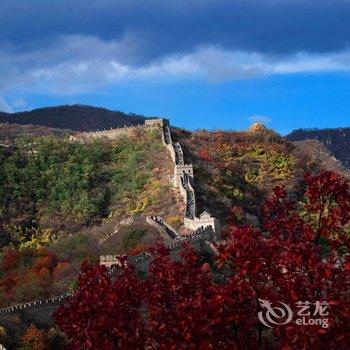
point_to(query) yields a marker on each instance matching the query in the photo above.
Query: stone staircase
(163, 226)
(184, 180)
(190, 197)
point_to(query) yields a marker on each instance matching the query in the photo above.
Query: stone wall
(162, 226)
(184, 180)
(156, 122)
(180, 170)
(115, 133)
(37, 303)
(105, 134)
(201, 239)
(205, 220)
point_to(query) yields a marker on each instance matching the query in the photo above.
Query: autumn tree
(204, 154)
(33, 339)
(300, 254)
(185, 306)
(10, 259)
(104, 313)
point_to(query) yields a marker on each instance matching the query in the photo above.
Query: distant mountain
(315, 150)
(337, 141)
(74, 117)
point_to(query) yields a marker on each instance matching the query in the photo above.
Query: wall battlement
(114, 133)
(199, 236)
(156, 121)
(180, 170)
(37, 303)
(184, 180)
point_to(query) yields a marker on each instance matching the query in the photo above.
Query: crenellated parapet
(180, 170)
(206, 220)
(184, 180)
(179, 156)
(114, 133)
(109, 260)
(156, 122)
(37, 303)
(200, 238)
(191, 209)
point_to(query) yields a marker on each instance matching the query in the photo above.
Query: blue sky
(202, 63)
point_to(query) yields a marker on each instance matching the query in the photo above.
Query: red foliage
(328, 198)
(10, 259)
(139, 248)
(7, 284)
(63, 271)
(204, 154)
(103, 313)
(48, 261)
(302, 255)
(185, 307)
(33, 338)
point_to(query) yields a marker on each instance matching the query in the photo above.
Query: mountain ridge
(79, 117)
(336, 140)
(74, 117)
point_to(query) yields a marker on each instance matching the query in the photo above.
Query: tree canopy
(301, 254)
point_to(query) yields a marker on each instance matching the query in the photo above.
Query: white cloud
(18, 104)
(76, 64)
(307, 63)
(4, 106)
(259, 119)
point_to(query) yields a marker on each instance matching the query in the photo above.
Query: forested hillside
(62, 202)
(239, 169)
(337, 141)
(74, 117)
(10, 132)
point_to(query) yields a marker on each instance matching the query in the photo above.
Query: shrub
(175, 220)
(33, 339)
(139, 248)
(10, 259)
(48, 261)
(132, 238)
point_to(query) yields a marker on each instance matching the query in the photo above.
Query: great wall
(183, 179)
(204, 229)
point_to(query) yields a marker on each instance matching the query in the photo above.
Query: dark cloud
(77, 46)
(160, 28)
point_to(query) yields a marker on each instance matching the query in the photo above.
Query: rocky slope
(337, 141)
